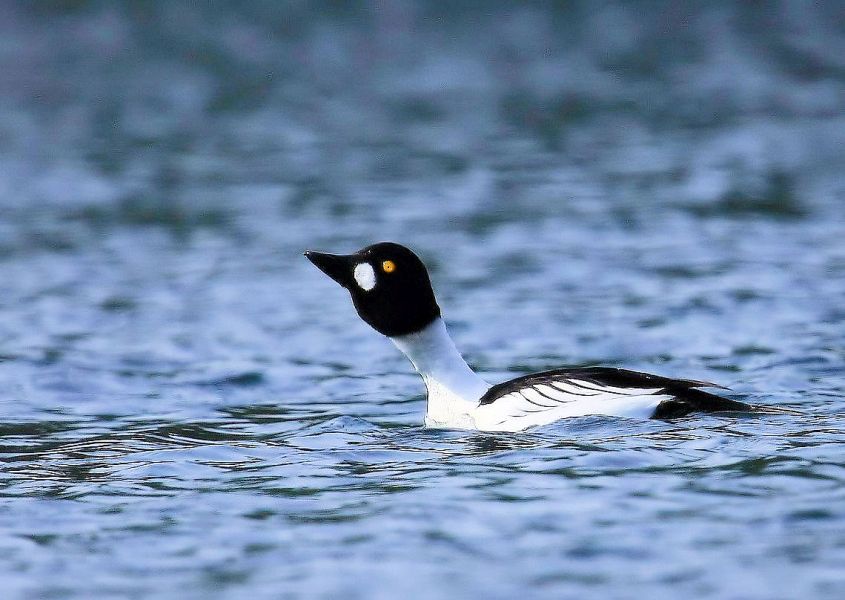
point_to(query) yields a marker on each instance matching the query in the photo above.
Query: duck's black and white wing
(545, 397)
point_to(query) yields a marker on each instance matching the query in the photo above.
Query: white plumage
(454, 391)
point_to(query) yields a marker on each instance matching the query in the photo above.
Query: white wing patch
(546, 402)
(365, 276)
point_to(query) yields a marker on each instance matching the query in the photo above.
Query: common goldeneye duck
(392, 292)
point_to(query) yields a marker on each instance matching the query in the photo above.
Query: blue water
(189, 409)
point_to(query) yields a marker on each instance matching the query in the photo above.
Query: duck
(391, 291)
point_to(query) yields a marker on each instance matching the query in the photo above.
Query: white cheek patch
(365, 277)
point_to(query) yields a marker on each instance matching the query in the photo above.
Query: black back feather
(686, 397)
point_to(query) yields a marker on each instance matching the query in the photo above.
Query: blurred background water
(189, 409)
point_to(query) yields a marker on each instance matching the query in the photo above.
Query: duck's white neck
(453, 388)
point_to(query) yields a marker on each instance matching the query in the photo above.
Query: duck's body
(392, 292)
(459, 399)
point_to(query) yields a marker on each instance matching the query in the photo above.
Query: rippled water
(190, 409)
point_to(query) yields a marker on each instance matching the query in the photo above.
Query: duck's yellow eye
(388, 266)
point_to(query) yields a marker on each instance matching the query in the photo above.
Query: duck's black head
(388, 283)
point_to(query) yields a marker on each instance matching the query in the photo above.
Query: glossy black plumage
(686, 397)
(401, 301)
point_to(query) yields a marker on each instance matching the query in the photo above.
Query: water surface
(190, 409)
